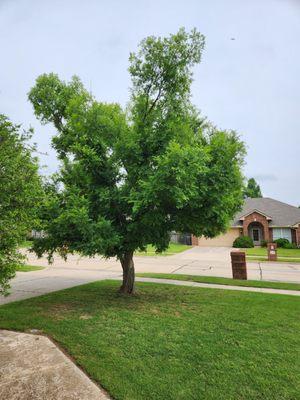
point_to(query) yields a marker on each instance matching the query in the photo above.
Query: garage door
(224, 240)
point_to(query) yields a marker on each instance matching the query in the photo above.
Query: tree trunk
(128, 273)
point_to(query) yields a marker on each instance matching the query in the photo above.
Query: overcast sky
(250, 84)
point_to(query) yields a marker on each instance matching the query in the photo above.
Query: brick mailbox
(272, 251)
(238, 264)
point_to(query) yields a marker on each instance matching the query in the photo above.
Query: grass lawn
(27, 268)
(283, 255)
(26, 244)
(174, 248)
(279, 259)
(171, 342)
(222, 281)
(262, 251)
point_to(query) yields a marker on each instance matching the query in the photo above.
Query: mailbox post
(238, 264)
(272, 251)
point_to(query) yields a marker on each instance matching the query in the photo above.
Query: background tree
(130, 178)
(252, 189)
(20, 192)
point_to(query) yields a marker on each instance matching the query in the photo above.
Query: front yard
(284, 255)
(174, 248)
(28, 268)
(173, 342)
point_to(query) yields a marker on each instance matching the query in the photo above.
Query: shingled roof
(280, 214)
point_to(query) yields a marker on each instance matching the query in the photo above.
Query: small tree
(20, 191)
(252, 189)
(130, 178)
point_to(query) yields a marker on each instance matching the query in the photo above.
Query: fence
(182, 238)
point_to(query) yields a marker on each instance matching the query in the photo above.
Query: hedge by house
(243, 242)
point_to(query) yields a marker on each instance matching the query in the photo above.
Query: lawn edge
(178, 276)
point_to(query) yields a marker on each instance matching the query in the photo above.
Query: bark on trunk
(128, 273)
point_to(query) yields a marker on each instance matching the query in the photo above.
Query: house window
(284, 233)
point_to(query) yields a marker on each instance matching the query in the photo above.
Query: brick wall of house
(294, 236)
(270, 234)
(298, 235)
(256, 217)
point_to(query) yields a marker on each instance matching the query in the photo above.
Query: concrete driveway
(196, 261)
(33, 368)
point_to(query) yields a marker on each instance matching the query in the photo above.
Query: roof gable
(255, 211)
(278, 213)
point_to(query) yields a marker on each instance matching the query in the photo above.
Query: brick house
(261, 219)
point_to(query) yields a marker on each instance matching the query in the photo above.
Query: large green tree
(252, 189)
(129, 178)
(20, 192)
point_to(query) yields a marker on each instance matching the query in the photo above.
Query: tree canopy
(252, 189)
(130, 177)
(20, 191)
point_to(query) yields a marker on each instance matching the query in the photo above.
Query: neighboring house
(37, 234)
(261, 219)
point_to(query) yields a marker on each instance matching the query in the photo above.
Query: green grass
(262, 251)
(222, 281)
(26, 244)
(283, 255)
(174, 248)
(279, 259)
(173, 342)
(27, 268)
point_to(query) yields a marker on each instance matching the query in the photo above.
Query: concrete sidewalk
(33, 368)
(217, 286)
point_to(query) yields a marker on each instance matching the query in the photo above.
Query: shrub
(264, 243)
(290, 246)
(243, 242)
(282, 242)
